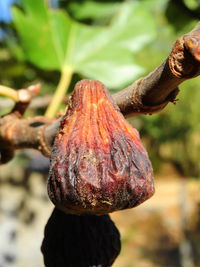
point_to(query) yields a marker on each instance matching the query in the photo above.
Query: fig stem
(9, 92)
(61, 90)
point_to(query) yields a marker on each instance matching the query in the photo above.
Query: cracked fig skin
(98, 163)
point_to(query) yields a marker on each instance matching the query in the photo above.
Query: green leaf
(88, 10)
(53, 41)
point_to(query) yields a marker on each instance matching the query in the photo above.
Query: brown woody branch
(145, 96)
(17, 133)
(153, 92)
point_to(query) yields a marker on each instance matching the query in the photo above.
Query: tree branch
(153, 92)
(148, 95)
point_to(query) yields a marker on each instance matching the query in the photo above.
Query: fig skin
(80, 241)
(98, 163)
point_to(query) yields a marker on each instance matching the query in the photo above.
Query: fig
(98, 163)
(80, 241)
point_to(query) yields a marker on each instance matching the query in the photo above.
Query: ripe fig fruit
(98, 163)
(80, 241)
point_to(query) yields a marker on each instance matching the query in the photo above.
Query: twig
(9, 92)
(16, 133)
(153, 92)
(37, 102)
(150, 94)
(22, 95)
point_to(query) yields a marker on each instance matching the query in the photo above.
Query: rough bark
(152, 93)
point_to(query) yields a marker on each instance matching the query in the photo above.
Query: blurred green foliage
(115, 42)
(51, 40)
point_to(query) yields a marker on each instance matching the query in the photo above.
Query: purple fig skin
(80, 241)
(98, 163)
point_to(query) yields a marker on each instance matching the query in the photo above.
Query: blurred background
(116, 42)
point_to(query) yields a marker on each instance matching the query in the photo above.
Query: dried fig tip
(98, 164)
